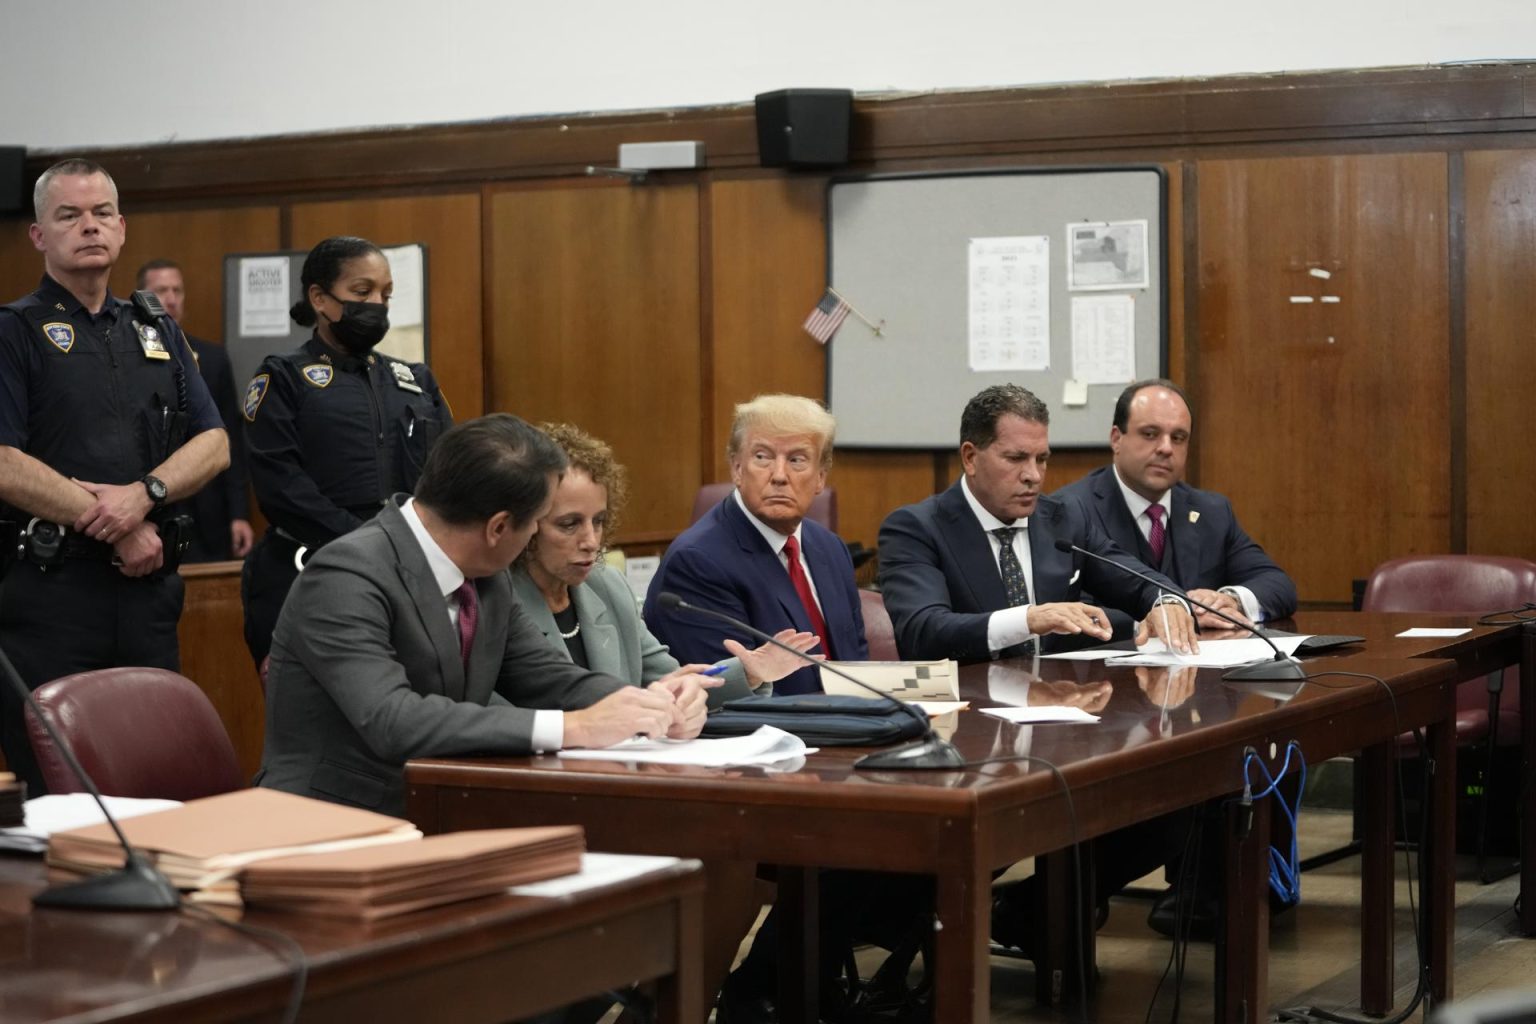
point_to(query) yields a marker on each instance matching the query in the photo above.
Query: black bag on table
(821, 719)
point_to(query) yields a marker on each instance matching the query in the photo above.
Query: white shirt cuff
(1008, 627)
(1248, 601)
(548, 730)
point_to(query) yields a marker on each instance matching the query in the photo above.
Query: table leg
(681, 996)
(1378, 804)
(962, 966)
(1242, 934)
(1439, 857)
(799, 915)
(1064, 936)
(1528, 778)
(730, 907)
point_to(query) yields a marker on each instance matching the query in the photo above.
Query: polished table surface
(493, 959)
(1165, 742)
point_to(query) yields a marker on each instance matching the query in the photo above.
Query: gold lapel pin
(1194, 516)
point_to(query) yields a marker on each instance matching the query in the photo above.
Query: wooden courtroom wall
(644, 312)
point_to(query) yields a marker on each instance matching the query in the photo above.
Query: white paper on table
(597, 870)
(1088, 654)
(1212, 654)
(1009, 303)
(1421, 631)
(1103, 339)
(766, 746)
(1037, 715)
(60, 812)
(263, 296)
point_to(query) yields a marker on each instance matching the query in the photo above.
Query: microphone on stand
(1281, 668)
(929, 752)
(134, 886)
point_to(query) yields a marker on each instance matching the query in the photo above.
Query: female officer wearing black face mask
(334, 428)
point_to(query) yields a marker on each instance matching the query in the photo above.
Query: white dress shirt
(548, 725)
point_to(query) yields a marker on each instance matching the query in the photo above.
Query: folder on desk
(382, 881)
(203, 844)
(904, 680)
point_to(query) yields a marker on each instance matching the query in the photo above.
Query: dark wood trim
(487, 289)
(1126, 119)
(708, 443)
(1189, 210)
(1456, 266)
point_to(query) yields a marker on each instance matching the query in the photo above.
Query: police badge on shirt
(405, 380)
(151, 342)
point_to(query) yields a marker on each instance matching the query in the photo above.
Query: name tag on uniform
(151, 342)
(405, 380)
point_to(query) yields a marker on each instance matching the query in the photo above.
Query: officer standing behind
(333, 428)
(221, 525)
(103, 420)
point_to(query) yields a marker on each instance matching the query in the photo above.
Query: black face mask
(362, 325)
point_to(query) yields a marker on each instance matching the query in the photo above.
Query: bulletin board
(1054, 279)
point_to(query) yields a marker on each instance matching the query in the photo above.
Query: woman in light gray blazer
(587, 611)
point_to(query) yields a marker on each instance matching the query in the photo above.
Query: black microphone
(134, 886)
(1282, 668)
(929, 752)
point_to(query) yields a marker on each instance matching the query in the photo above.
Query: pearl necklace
(571, 635)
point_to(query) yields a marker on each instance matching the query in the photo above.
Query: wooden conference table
(490, 960)
(959, 826)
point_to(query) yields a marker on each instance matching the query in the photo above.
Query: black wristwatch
(156, 489)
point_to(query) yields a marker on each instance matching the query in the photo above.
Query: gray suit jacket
(366, 672)
(616, 639)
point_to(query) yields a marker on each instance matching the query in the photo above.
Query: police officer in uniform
(333, 428)
(103, 421)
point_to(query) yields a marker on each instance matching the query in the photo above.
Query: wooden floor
(1314, 957)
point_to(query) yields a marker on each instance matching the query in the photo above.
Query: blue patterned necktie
(1008, 563)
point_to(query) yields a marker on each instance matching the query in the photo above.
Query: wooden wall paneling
(213, 655)
(595, 321)
(198, 240)
(1326, 424)
(768, 244)
(449, 226)
(1501, 350)
(873, 484)
(21, 265)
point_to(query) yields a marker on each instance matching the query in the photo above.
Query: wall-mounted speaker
(15, 189)
(804, 127)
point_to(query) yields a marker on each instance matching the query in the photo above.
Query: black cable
(286, 949)
(1516, 617)
(1077, 859)
(1190, 857)
(1313, 1013)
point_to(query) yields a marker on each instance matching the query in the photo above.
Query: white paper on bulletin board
(1010, 303)
(1103, 339)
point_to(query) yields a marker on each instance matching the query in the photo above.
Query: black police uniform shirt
(331, 436)
(89, 395)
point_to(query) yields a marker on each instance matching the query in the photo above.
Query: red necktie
(469, 615)
(803, 588)
(1156, 539)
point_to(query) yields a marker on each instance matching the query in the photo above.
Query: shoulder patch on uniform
(62, 335)
(255, 393)
(319, 374)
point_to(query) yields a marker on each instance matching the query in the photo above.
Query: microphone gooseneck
(134, 886)
(1282, 668)
(929, 752)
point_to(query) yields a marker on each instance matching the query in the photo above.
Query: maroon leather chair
(1487, 708)
(878, 630)
(138, 732)
(823, 509)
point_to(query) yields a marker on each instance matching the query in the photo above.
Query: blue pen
(715, 670)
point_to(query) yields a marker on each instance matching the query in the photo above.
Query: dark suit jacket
(224, 497)
(722, 562)
(941, 583)
(366, 672)
(1210, 552)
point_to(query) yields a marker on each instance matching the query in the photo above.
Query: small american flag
(827, 317)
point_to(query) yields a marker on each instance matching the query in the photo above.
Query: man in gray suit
(401, 639)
